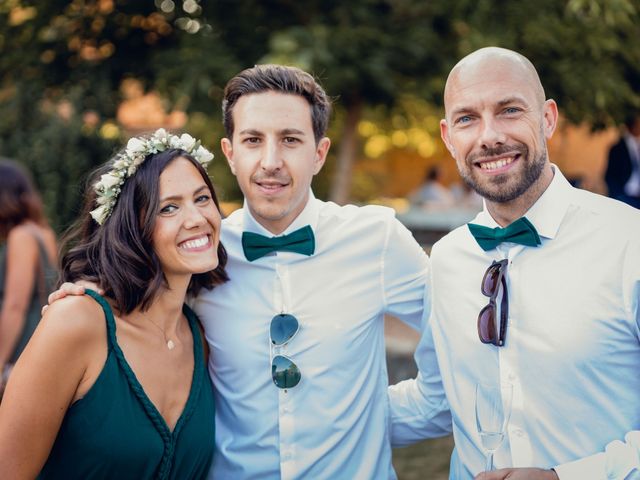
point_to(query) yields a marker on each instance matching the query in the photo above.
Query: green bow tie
(521, 231)
(256, 246)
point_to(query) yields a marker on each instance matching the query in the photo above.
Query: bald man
(539, 293)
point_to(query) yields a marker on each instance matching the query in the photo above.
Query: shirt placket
(282, 303)
(519, 442)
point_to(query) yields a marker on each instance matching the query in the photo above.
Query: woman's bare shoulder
(21, 235)
(24, 236)
(75, 318)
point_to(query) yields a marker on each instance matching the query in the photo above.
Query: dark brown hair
(278, 78)
(19, 200)
(118, 255)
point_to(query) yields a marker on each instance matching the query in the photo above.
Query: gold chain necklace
(170, 344)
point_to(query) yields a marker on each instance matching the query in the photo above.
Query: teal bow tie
(521, 231)
(256, 246)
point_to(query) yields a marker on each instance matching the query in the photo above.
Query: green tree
(62, 64)
(586, 51)
(370, 53)
(365, 52)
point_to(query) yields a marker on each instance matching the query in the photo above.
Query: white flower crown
(126, 163)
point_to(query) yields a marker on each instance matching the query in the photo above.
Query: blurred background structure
(77, 77)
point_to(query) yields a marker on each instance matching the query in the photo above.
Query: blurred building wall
(580, 154)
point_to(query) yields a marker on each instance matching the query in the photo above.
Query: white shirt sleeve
(418, 407)
(620, 461)
(404, 265)
(621, 458)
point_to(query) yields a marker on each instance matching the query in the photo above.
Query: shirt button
(518, 433)
(511, 376)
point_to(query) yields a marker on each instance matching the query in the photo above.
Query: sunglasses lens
(284, 372)
(283, 328)
(487, 324)
(491, 280)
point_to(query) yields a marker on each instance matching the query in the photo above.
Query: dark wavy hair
(118, 255)
(278, 78)
(19, 200)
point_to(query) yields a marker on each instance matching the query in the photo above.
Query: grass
(425, 460)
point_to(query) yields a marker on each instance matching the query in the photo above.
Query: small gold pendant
(170, 344)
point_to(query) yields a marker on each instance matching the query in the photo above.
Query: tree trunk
(341, 185)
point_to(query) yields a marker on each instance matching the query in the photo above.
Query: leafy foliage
(63, 62)
(62, 65)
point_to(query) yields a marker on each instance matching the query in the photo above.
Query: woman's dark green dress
(115, 432)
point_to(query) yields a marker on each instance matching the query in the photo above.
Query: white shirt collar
(308, 216)
(548, 211)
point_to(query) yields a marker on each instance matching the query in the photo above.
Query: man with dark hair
(278, 78)
(297, 335)
(540, 292)
(623, 164)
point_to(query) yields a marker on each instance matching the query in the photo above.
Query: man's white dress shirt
(572, 349)
(334, 424)
(632, 187)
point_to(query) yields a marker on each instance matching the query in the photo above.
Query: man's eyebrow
(513, 99)
(461, 110)
(284, 131)
(501, 103)
(291, 131)
(250, 131)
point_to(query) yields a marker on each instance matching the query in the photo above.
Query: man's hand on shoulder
(518, 474)
(69, 288)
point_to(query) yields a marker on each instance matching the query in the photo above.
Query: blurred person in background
(466, 197)
(28, 255)
(623, 166)
(433, 193)
(116, 386)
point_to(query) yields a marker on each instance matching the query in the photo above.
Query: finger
(57, 295)
(72, 288)
(44, 309)
(493, 475)
(86, 284)
(67, 288)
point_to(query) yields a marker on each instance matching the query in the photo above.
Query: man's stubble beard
(498, 190)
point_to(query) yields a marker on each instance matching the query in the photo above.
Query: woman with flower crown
(116, 386)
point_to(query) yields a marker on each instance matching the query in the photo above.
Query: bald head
(492, 60)
(496, 128)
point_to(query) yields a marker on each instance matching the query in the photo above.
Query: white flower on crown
(187, 141)
(100, 214)
(109, 180)
(119, 164)
(205, 155)
(136, 146)
(127, 162)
